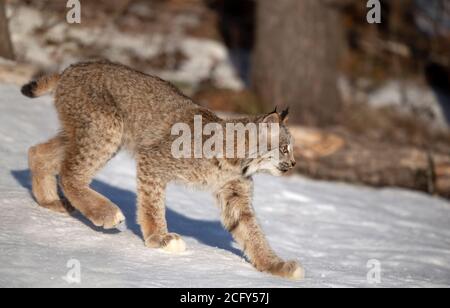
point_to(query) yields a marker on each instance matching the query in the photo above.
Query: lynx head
(278, 158)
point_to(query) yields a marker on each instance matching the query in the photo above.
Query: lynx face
(279, 157)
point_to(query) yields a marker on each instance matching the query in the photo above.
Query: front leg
(235, 201)
(152, 211)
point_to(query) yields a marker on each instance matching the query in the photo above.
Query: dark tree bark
(295, 60)
(6, 50)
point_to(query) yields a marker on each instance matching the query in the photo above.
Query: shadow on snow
(210, 233)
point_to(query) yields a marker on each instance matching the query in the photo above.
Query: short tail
(41, 86)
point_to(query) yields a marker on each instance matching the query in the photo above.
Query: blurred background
(370, 103)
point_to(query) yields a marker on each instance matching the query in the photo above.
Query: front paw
(290, 270)
(106, 215)
(170, 242)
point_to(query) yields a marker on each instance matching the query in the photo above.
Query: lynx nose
(293, 163)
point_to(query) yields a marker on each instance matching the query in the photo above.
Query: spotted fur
(103, 107)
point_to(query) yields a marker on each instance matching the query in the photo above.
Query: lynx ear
(285, 115)
(273, 117)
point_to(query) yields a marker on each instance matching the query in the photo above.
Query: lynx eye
(284, 149)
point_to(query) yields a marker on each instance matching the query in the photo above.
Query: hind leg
(45, 162)
(89, 149)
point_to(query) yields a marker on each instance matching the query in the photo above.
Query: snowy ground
(333, 229)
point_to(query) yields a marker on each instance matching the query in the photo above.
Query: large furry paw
(59, 206)
(170, 242)
(290, 270)
(107, 216)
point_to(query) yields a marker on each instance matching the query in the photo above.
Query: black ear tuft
(284, 114)
(275, 110)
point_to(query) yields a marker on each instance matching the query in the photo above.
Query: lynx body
(104, 107)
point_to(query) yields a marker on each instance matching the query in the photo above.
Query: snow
(407, 97)
(204, 59)
(413, 99)
(333, 229)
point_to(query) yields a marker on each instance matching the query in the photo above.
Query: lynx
(104, 107)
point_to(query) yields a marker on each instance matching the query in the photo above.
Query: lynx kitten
(104, 107)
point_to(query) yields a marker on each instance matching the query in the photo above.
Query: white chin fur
(264, 167)
(271, 169)
(275, 172)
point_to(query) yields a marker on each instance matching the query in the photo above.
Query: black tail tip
(28, 89)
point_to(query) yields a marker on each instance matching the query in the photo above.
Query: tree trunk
(6, 50)
(348, 158)
(295, 58)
